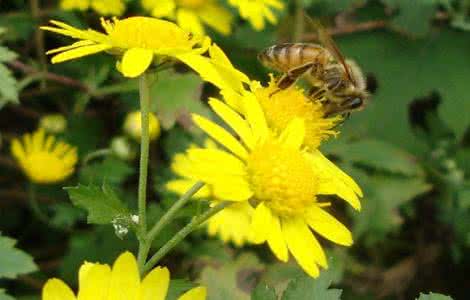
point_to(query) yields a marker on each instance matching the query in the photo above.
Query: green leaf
(396, 62)
(102, 203)
(175, 96)
(6, 54)
(231, 280)
(114, 171)
(14, 262)
(376, 154)
(384, 196)
(86, 133)
(307, 288)
(433, 296)
(178, 287)
(413, 16)
(263, 292)
(5, 296)
(8, 87)
(66, 215)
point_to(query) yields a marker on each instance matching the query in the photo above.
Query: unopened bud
(132, 126)
(123, 148)
(53, 123)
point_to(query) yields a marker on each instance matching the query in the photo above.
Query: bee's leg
(289, 78)
(317, 93)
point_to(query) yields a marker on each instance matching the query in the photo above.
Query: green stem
(34, 205)
(39, 40)
(168, 216)
(178, 237)
(95, 154)
(144, 89)
(299, 21)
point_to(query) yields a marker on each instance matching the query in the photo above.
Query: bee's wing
(326, 40)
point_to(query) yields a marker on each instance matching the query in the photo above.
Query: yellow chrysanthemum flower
(132, 125)
(256, 11)
(137, 40)
(42, 158)
(122, 281)
(233, 223)
(282, 106)
(192, 14)
(275, 172)
(102, 7)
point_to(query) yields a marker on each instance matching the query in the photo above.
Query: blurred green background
(409, 150)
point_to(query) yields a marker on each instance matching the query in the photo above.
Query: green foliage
(5, 296)
(114, 171)
(413, 16)
(230, 280)
(176, 96)
(433, 296)
(14, 262)
(8, 84)
(102, 203)
(263, 292)
(307, 288)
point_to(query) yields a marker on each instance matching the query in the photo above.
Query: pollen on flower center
(147, 33)
(191, 3)
(281, 106)
(281, 178)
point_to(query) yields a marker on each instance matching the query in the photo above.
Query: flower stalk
(144, 90)
(178, 237)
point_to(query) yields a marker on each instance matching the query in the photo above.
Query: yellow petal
(162, 8)
(255, 116)
(95, 283)
(221, 136)
(198, 293)
(215, 158)
(69, 47)
(181, 186)
(303, 245)
(189, 21)
(232, 190)
(155, 284)
(294, 134)
(135, 61)
(331, 180)
(261, 222)
(276, 240)
(17, 150)
(79, 52)
(326, 225)
(56, 289)
(125, 279)
(234, 120)
(217, 17)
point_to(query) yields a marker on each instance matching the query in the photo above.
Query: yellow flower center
(46, 167)
(282, 178)
(281, 106)
(147, 33)
(191, 3)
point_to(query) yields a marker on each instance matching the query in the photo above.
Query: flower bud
(132, 126)
(122, 148)
(53, 123)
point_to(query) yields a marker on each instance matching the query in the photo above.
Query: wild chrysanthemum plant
(233, 223)
(122, 281)
(102, 7)
(192, 15)
(42, 158)
(275, 172)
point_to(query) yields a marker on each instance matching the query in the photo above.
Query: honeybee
(337, 82)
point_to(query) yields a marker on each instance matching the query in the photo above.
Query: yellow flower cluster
(102, 7)
(269, 160)
(122, 281)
